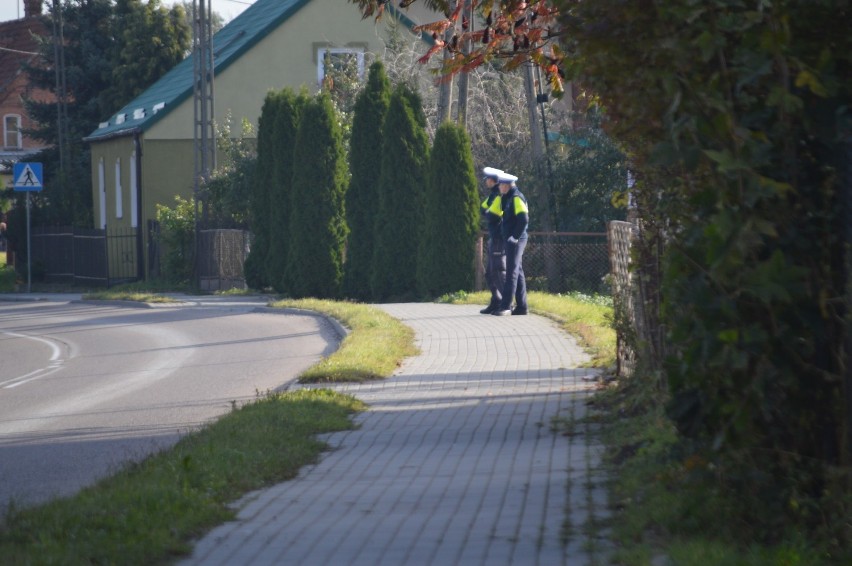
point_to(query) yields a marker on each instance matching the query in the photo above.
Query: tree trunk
(464, 77)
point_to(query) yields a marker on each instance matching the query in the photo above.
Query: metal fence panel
(52, 253)
(90, 257)
(221, 256)
(84, 256)
(121, 250)
(563, 262)
(620, 242)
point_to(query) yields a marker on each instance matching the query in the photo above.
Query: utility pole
(535, 130)
(539, 151)
(846, 191)
(204, 136)
(61, 102)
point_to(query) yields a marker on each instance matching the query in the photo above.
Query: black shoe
(489, 309)
(499, 312)
(519, 311)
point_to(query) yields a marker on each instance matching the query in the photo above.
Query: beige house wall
(105, 156)
(284, 58)
(167, 171)
(165, 174)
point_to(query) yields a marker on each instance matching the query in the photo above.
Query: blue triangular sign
(27, 176)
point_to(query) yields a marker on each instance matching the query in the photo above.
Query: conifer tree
(450, 216)
(259, 206)
(317, 203)
(285, 122)
(99, 38)
(405, 152)
(361, 198)
(150, 39)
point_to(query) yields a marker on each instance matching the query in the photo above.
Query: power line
(10, 50)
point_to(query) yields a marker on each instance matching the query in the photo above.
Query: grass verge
(373, 349)
(150, 512)
(141, 292)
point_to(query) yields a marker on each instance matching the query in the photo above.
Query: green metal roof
(240, 35)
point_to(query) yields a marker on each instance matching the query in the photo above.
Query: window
(12, 132)
(118, 204)
(348, 61)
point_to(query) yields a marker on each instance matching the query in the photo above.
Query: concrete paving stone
(454, 462)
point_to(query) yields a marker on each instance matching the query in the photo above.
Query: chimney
(32, 8)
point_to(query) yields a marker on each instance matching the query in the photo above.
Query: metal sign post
(28, 178)
(29, 248)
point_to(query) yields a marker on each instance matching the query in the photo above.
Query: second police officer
(514, 231)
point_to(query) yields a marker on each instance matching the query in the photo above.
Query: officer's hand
(512, 240)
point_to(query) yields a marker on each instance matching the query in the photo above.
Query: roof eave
(115, 134)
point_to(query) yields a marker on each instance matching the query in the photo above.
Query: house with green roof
(143, 155)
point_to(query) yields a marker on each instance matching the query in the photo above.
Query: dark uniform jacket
(516, 214)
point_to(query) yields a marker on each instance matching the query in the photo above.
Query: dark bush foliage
(450, 216)
(365, 167)
(317, 204)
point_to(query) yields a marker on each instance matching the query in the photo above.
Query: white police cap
(504, 177)
(491, 172)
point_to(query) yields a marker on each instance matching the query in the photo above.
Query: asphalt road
(86, 388)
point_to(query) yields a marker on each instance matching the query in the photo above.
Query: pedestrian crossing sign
(27, 176)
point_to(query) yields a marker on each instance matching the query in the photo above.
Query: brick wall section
(16, 39)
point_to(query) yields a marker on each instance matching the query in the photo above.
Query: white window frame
(102, 192)
(19, 141)
(134, 217)
(119, 205)
(358, 51)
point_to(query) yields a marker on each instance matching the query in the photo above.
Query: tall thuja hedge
(742, 109)
(450, 216)
(259, 206)
(362, 196)
(317, 203)
(405, 153)
(286, 119)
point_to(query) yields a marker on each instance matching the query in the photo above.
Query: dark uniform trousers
(516, 283)
(495, 270)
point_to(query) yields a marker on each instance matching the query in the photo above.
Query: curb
(341, 330)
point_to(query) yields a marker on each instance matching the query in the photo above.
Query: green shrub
(260, 213)
(317, 210)
(365, 146)
(286, 112)
(177, 237)
(450, 216)
(405, 153)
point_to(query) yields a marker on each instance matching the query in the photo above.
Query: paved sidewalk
(454, 463)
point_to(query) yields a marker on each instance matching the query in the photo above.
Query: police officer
(495, 266)
(516, 218)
